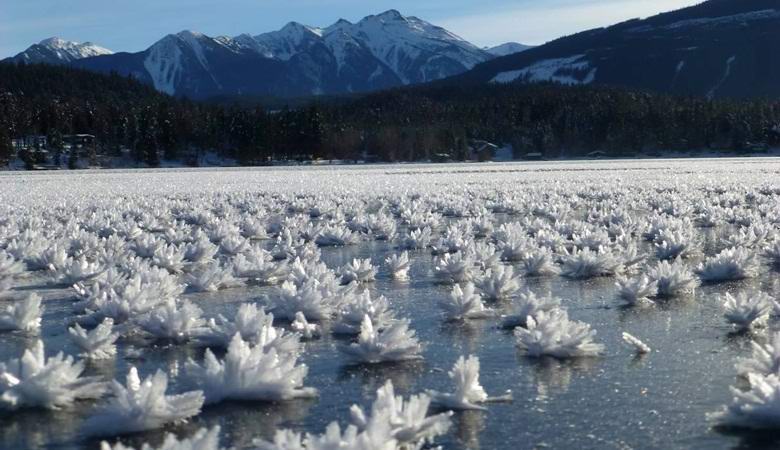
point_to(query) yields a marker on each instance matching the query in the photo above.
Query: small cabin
(481, 150)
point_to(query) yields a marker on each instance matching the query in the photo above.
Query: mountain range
(719, 48)
(378, 52)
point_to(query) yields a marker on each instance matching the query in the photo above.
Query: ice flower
(249, 373)
(454, 268)
(203, 439)
(673, 279)
(636, 291)
(212, 278)
(307, 298)
(398, 265)
(553, 334)
(747, 310)
(586, 263)
(538, 262)
(675, 243)
(730, 264)
(202, 251)
(526, 305)
(469, 393)
(169, 257)
(24, 315)
(233, 245)
(359, 271)
(336, 236)
(37, 382)
(464, 303)
(76, 270)
(392, 424)
(417, 239)
(410, 424)
(301, 326)
(396, 343)
(499, 283)
(756, 408)
(353, 310)
(10, 268)
(177, 321)
(772, 252)
(141, 406)
(254, 325)
(764, 359)
(97, 343)
(258, 266)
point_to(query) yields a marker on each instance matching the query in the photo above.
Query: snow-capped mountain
(59, 51)
(507, 49)
(719, 48)
(379, 51)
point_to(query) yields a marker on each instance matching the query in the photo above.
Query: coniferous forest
(409, 124)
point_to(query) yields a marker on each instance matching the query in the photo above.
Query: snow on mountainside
(718, 48)
(378, 52)
(59, 51)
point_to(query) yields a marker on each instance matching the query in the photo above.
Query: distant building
(597, 154)
(33, 141)
(79, 140)
(480, 150)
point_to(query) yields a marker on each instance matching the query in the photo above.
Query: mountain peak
(391, 15)
(53, 41)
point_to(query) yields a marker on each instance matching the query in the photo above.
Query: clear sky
(133, 25)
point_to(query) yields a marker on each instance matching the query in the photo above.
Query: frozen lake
(614, 400)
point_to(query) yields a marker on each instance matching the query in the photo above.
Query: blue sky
(133, 25)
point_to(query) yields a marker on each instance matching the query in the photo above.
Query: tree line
(407, 124)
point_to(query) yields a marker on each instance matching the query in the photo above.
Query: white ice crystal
(76, 270)
(638, 346)
(730, 264)
(526, 305)
(393, 423)
(553, 334)
(756, 408)
(398, 265)
(417, 239)
(359, 271)
(177, 321)
(410, 424)
(587, 263)
(464, 303)
(34, 381)
(454, 268)
(636, 291)
(396, 343)
(254, 325)
(469, 393)
(499, 283)
(301, 326)
(538, 262)
(142, 405)
(97, 343)
(249, 373)
(356, 307)
(747, 310)
(672, 279)
(203, 439)
(23, 315)
(212, 278)
(764, 359)
(309, 298)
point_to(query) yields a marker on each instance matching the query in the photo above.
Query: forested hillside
(399, 125)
